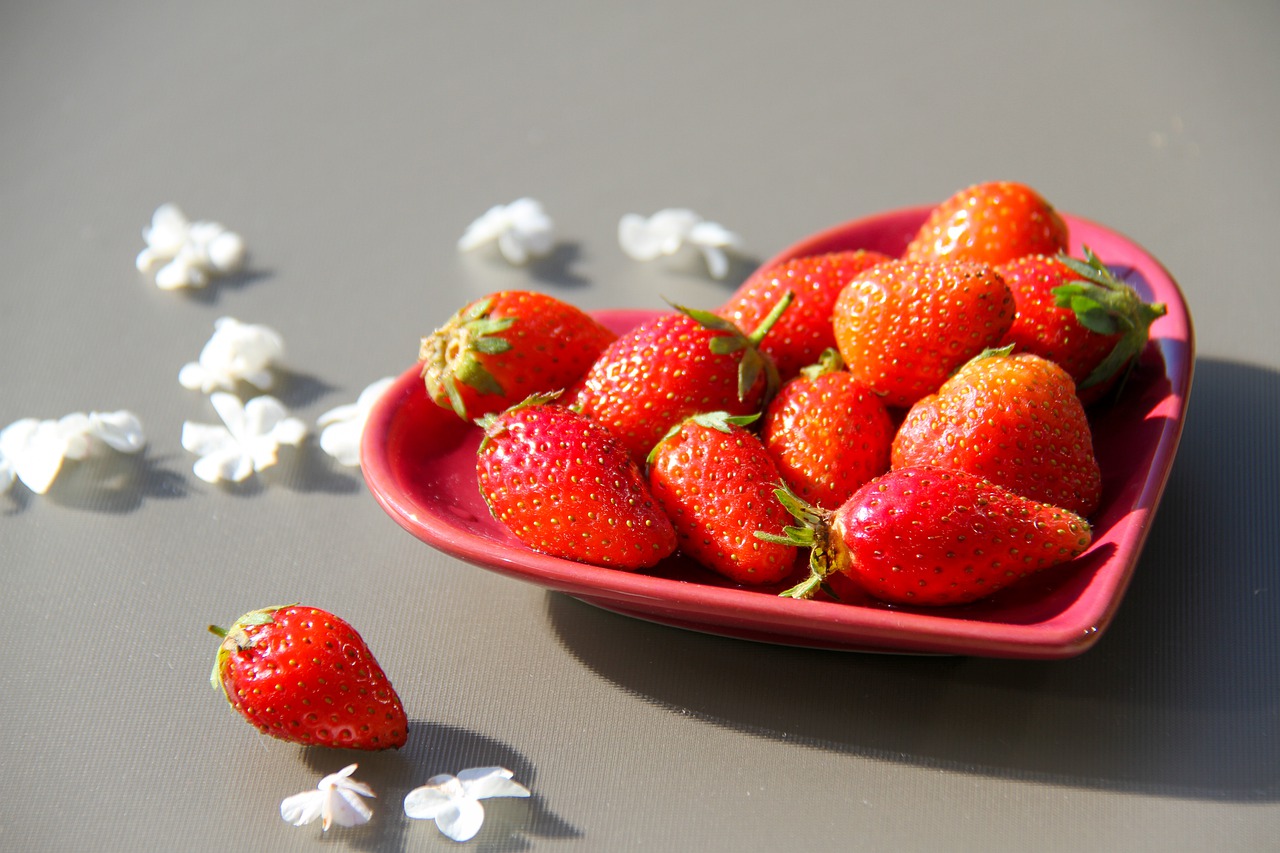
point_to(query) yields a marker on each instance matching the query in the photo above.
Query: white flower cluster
(523, 230)
(453, 802)
(250, 435)
(670, 230)
(33, 450)
(188, 253)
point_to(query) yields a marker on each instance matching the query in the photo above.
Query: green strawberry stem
(813, 532)
(1104, 304)
(828, 362)
(734, 340)
(236, 637)
(719, 421)
(448, 356)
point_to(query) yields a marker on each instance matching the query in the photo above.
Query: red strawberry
(304, 675)
(1080, 315)
(990, 223)
(715, 481)
(566, 487)
(674, 366)
(928, 536)
(828, 433)
(1012, 419)
(902, 327)
(804, 331)
(500, 349)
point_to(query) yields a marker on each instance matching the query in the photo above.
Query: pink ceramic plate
(419, 461)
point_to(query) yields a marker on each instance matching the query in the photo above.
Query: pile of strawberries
(915, 423)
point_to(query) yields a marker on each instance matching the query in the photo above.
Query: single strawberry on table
(1080, 315)
(991, 223)
(674, 366)
(1013, 419)
(902, 327)
(827, 432)
(932, 537)
(565, 486)
(803, 332)
(715, 481)
(305, 676)
(500, 349)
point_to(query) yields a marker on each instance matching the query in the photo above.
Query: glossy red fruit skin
(932, 537)
(804, 330)
(990, 223)
(902, 327)
(1014, 420)
(717, 489)
(828, 435)
(307, 677)
(547, 346)
(658, 374)
(1042, 327)
(564, 486)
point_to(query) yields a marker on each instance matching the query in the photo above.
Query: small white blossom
(453, 802)
(33, 450)
(342, 427)
(669, 230)
(188, 253)
(337, 799)
(249, 441)
(235, 351)
(522, 230)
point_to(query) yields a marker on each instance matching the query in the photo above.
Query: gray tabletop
(350, 145)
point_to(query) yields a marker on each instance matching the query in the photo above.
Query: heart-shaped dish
(419, 462)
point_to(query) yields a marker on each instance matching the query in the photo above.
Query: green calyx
(452, 354)
(1104, 304)
(493, 429)
(719, 421)
(236, 638)
(813, 532)
(753, 362)
(829, 362)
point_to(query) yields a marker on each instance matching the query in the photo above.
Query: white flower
(249, 442)
(522, 229)
(235, 351)
(453, 802)
(342, 426)
(188, 252)
(337, 799)
(669, 230)
(33, 450)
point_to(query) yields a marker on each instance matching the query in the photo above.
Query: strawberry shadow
(511, 824)
(1179, 698)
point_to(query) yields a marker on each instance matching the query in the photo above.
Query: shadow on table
(1180, 698)
(510, 824)
(114, 483)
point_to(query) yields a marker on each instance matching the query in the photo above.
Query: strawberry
(804, 331)
(902, 327)
(566, 487)
(1012, 419)
(715, 481)
(674, 366)
(990, 223)
(828, 433)
(1080, 315)
(928, 536)
(305, 676)
(500, 349)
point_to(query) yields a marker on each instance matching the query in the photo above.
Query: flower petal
(203, 439)
(342, 441)
(345, 808)
(120, 430)
(717, 262)
(303, 808)
(512, 247)
(484, 782)
(462, 820)
(229, 463)
(433, 798)
(232, 412)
